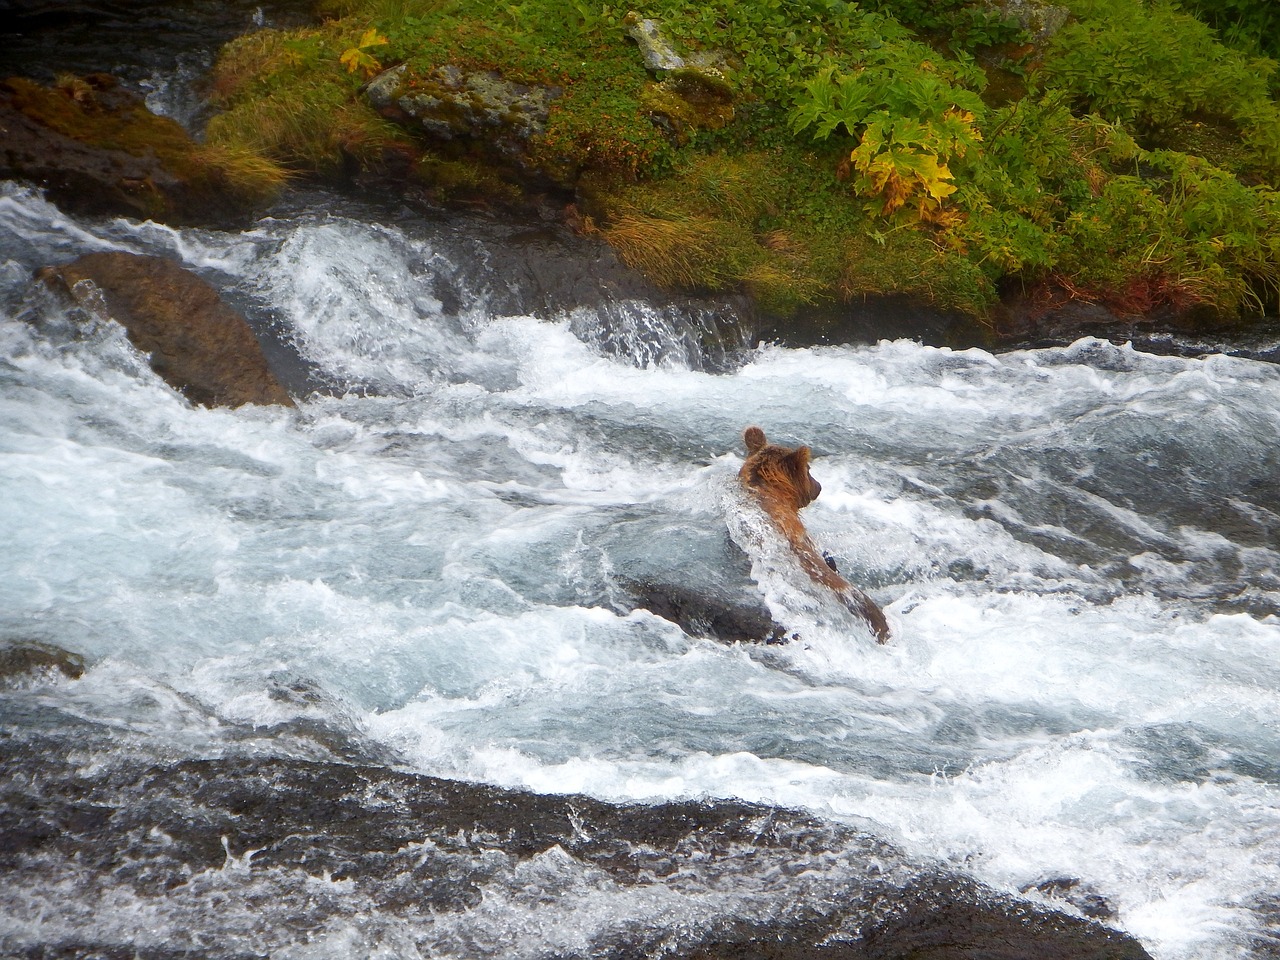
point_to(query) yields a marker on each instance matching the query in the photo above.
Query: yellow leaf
(372, 38)
(356, 59)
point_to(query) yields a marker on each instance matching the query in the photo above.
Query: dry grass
(303, 131)
(781, 287)
(246, 172)
(683, 252)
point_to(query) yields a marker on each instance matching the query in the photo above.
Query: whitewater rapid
(425, 562)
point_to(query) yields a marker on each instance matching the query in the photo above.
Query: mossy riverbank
(813, 152)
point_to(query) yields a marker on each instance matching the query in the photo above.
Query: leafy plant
(1249, 25)
(357, 57)
(909, 124)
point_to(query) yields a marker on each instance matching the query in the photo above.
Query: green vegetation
(818, 151)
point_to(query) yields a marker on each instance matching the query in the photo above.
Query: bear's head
(780, 472)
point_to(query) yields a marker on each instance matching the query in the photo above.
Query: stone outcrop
(199, 345)
(657, 50)
(1039, 18)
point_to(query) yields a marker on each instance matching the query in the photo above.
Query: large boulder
(714, 613)
(1039, 18)
(199, 345)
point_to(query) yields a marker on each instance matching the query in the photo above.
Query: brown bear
(779, 479)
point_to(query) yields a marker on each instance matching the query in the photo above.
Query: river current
(425, 567)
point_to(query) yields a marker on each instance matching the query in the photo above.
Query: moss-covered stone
(97, 149)
(448, 103)
(688, 101)
(1039, 18)
(655, 48)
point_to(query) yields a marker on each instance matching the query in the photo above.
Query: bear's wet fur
(778, 477)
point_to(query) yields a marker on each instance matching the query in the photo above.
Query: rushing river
(425, 567)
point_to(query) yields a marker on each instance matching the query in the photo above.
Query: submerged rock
(199, 345)
(1080, 895)
(26, 661)
(729, 617)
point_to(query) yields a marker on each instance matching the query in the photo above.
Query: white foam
(431, 569)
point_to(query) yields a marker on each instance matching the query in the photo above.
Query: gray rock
(656, 49)
(449, 103)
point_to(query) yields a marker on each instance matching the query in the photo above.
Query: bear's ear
(753, 437)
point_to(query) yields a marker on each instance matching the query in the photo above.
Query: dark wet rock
(726, 605)
(138, 41)
(25, 661)
(871, 319)
(737, 617)
(543, 269)
(433, 856)
(97, 150)
(199, 345)
(1046, 317)
(1080, 895)
(935, 917)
